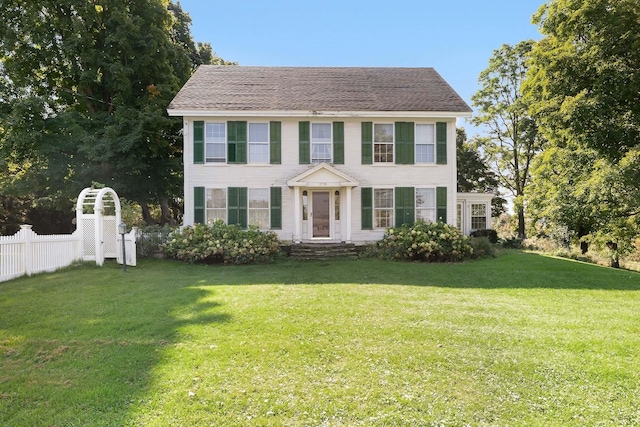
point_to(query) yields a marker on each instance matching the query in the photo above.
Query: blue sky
(457, 38)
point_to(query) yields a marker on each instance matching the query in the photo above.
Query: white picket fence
(29, 253)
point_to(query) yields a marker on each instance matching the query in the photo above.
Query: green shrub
(433, 242)
(482, 247)
(511, 243)
(492, 235)
(221, 243)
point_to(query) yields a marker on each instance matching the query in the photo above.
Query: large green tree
(512, 138)
(89, 84)
(583, 87)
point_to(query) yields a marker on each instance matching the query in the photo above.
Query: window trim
(312, 143)
(266, 143)
(392, 144)
(375, 208)
(433, 143)
(223, 160)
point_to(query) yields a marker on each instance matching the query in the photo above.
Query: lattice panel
(89, 237)
(110, 236)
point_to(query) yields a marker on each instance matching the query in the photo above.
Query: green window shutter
(237, 142)
(199, 211)
(441, 204)
(367, 143)
(338, 143)
(275, 142)
(366, 209)
(304, 141)
(441, 143)
(276, 208)
(237, 206)
(405, 151)
(405, 205)
(198, 142)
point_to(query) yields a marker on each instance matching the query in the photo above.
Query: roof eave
(314, 113)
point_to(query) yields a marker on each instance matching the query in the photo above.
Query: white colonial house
(323, 154)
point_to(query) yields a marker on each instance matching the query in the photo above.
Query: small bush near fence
(151, 239)
(221, 243)
(433, 242)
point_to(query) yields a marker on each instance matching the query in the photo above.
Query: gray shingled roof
(239, 88)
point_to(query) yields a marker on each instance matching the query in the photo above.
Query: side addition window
(478, 216)
(215, 143)
(383, 143)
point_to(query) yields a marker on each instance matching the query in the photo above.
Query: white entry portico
(322, 204)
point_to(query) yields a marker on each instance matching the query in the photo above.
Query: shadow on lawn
(83, 353)
(510, 270)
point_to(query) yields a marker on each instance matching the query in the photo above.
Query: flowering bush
(219, 242)
(434, 242)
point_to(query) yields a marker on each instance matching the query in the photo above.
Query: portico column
(348, 236)
(297, 220)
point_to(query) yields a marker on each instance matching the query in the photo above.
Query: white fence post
(27, 236)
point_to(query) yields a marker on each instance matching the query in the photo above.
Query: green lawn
(521, 339)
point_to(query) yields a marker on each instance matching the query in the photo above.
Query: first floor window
(425, 144)
(258, 143)
(478, 216)
(383, 143)
(215, 139)
(321, 142)
(216, 205)
(426, 204)
(259, 207)
(383, 207)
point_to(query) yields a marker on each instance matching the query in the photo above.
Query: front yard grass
(521, 339)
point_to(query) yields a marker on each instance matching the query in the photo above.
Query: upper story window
(215, 143)
(425, 144)
(383, 143)
(258, 143)
(321, 141)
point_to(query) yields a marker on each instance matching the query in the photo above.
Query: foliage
(502, 341)
(584, 76)
(219, 242)
(84, 91)
(512, 133)
(422, 241)
(491, 235)
(483, 247)
(473, 173)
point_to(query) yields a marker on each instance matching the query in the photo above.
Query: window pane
(258, 198)
(383, 133)
(216, 198)
(258, 153)
(259, 217)
(425, 198)
(258, 132)
(215, 132)
(383, 153)
(320, 153)
(383, 198)
(424, 134)
(384, 218)
(426, 215)
(320, 132)
(216, 152)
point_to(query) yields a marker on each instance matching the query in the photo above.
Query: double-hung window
(383, 143)
(216, 205)
(426, 204)
(425, 144)
(321, 141)
(478, 216)
(383, 207)
(215, 143)
(259, 207)
(258, 143)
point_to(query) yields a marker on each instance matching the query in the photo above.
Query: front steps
(323, 251)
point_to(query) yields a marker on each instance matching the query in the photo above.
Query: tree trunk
(146, 215)
(584, 246)
(521, 223)
(167, 217)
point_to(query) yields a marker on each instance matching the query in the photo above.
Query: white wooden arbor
(97, 219)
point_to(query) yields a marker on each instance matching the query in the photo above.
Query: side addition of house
(323, 154)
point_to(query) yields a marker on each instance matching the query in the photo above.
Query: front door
(320, 204)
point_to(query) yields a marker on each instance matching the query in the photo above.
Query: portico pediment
(323, 175)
